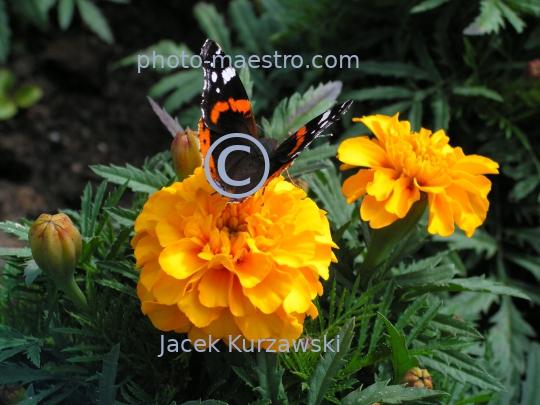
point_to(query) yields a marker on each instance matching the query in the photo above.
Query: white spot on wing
(228, 74)
(324, 117)
(214, 76)
(218, 90)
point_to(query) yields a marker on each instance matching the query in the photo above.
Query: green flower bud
(417, 377)
(57, 246)
(186, 156)
(11, 394)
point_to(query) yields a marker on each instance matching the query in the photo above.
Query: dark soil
(90, 114)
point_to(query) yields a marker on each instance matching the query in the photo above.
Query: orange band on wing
(299, 139)
(219, 107)
(204, 142)
(243, 106)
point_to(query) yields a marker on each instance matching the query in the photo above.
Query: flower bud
(11, 394)
(185, 153)
(417, 377)
(56, 245)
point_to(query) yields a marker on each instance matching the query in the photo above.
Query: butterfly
(226, 109)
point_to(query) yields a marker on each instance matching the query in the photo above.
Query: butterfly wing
(288, 151)
(225, 109)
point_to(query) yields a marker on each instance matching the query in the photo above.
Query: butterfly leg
(290, 178)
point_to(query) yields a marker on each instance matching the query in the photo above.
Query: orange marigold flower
(250, 269)
(400, 164)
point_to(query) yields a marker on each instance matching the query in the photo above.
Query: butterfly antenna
(326, 135)
(263, 131)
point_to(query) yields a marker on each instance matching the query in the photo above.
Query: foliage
(37, 13)
(452, 305)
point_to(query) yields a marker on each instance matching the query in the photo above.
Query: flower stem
(384, 240)
(73, 292)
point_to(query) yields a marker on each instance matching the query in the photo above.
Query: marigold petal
(441, 216)
(223, 327)
(168, 290)
(405, 194)
(299, 298)
(214, 288)
(434, 185)
(477, 185)
(259, 325)
(373, 211)
(252, 268)
(197, 313)
(239, 304)
(384, 181)
(295, 249)
(269, 294)
(165, 317)
(355, 186)
(148, 248)
(476, 164)
(181, 259)
(363, 152)
(149, 273)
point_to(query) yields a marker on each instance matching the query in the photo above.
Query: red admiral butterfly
(226, 109)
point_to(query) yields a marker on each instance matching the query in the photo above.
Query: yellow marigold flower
(250, 269)
(399, 164)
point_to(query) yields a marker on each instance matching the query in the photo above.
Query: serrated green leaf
(207, 402)
(405, 317)
(477, 91)
(530, 388)
(293, 112)
(427, 5)
(462, 368)
(21, 373)
(31, 272)
(17, 252)
(388, 394)
(479, 284)
(422, 322)
(426, 276)
(139, 180)
(453, 326)
(528, 262)
(523, 188)
(213, 24)
(401, 359)
(35, 399)
(178, 80)
(247, 24)
(115, 285)
(511, 16)
(330, 365)
(65, 13)
(14, 228)
(441, 112)
(95, 20)
(121, 215)
(269, 377)
(165, 48)
(106, 387)
(481, 242)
